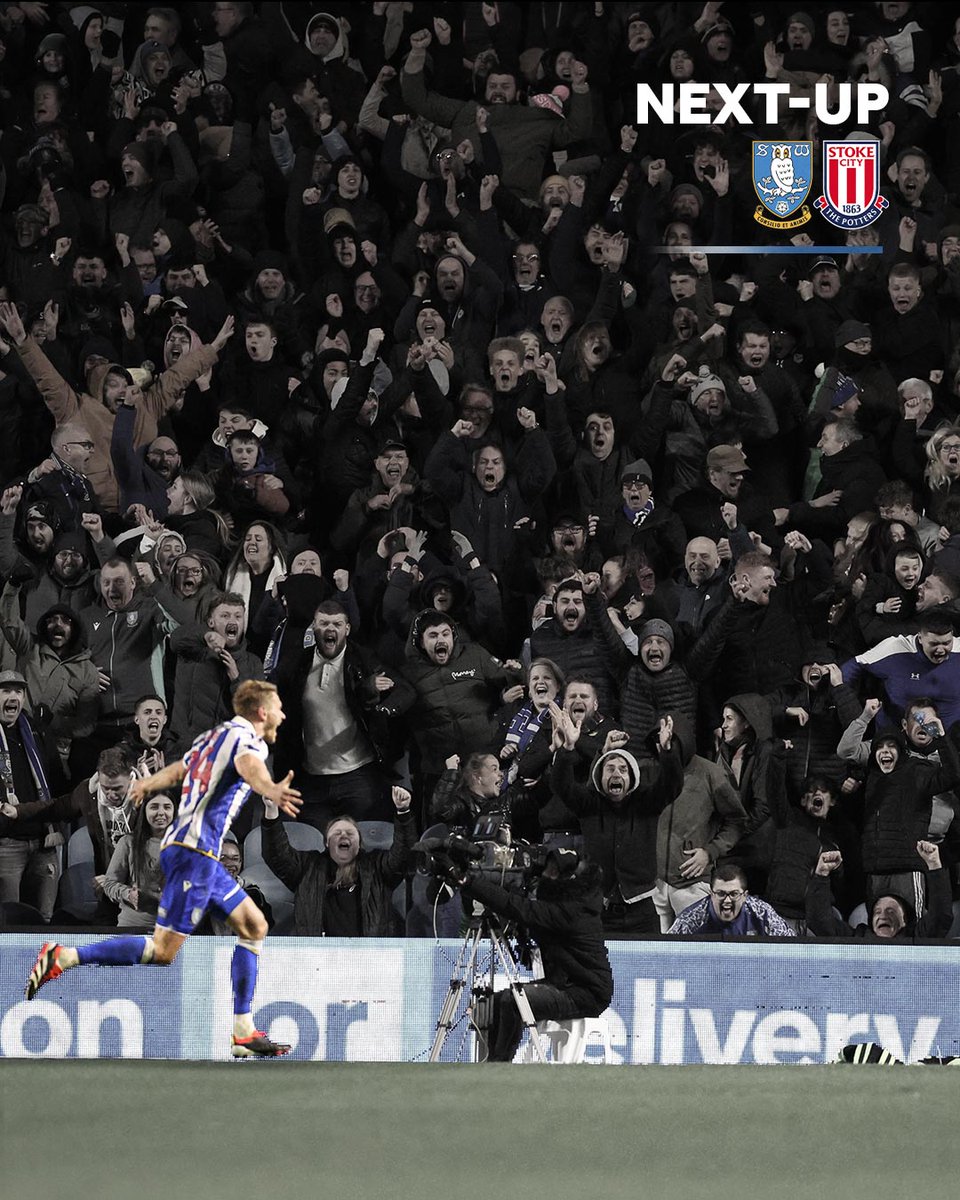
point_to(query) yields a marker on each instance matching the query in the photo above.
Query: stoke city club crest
(851, 184)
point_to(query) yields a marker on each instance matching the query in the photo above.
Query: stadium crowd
(372, 349)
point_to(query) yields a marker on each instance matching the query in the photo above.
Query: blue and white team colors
(213, 793)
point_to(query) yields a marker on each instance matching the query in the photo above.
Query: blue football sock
(114, 952)
(243, 973)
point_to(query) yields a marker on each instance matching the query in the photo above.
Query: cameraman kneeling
(563, 915)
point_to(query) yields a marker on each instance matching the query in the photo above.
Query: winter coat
(897, 807)
(360, 529)
(697, 604)
(525, 135)
(814, 745)
(137, 211)
(127, 646)
(349, 449)
(476, 607)
(660, 539)
(707, 814)
(647, 696)
(621, 838)
(203, 692)
(90, 410)
(65, 687)
(855, 472)
(487, 519)
(260, 387)
(580, 653)
(309, 873)
(137, 481)
(799, 839)
(454, 710)
(200, 531)
(749, 647)
(756, 770)
(699, 510)
(122, 877)
(454, 805)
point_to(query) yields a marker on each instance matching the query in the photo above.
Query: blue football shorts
(193, 884)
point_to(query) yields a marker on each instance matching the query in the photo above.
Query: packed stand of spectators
(337, 349)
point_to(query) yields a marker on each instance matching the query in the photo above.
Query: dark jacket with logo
(125, 645)
(454, 707)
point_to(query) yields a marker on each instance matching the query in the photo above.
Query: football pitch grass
(284, 1130)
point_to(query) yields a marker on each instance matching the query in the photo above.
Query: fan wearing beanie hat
(655, 685)
(801, 31)
(641, 524)
(846, 397)
(853, 334)
(619, 809)
(709, 394)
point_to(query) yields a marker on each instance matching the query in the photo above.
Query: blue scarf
(638, 518)
(32, 753)
(523, 728)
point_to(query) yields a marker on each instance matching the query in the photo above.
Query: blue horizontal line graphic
(837, 251)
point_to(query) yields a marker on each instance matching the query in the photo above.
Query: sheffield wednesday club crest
(781, 178)
(851, 184)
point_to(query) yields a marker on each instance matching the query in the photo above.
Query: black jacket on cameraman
(564, 919)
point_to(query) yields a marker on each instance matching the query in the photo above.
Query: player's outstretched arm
(161, 781)
(253, 770)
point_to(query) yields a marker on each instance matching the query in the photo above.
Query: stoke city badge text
(851, 184)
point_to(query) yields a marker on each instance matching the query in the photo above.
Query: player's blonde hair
(251, 695)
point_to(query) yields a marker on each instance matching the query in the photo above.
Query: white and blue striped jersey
(212, 792)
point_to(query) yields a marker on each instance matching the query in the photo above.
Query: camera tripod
(466, 968)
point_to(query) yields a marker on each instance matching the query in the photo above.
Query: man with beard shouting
(457, 688)
(339, 702)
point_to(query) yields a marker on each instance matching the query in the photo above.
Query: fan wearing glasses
(730, 911)
(62, 478)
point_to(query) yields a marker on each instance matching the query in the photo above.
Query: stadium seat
(79, 847)
(567, 1041)
(282, 917)
(14, 915)
(375, 835)
(274, 891)
(76, 891)
(302, 837)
